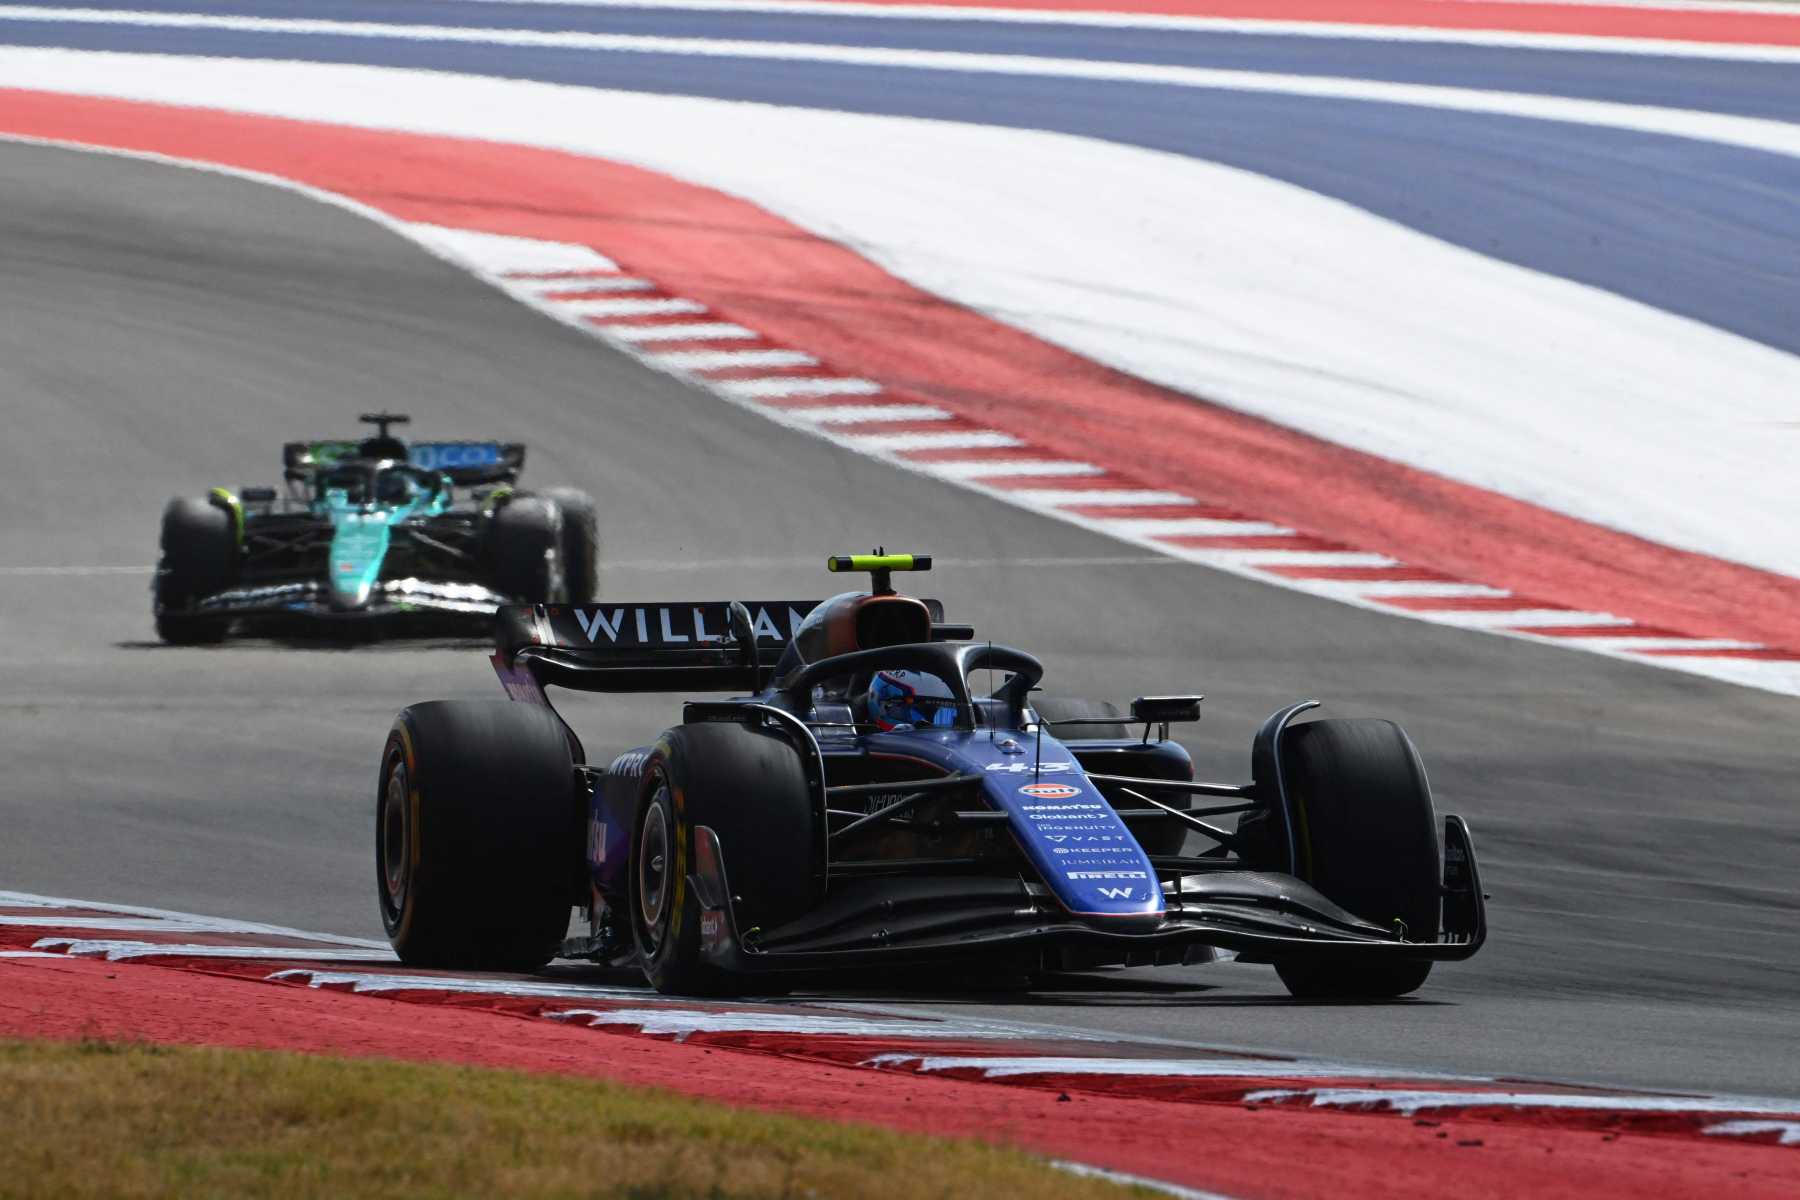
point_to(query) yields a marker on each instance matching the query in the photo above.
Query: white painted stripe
(895, 443)
(215, 924)
(29, 954)
(551, 289)
(497, 253)
(980, 468)
(1411, 1102)
(682, 1022)
(779, 387)
(358, 981)
(28, 571)
(1286, 558)
(628, 307)
(856, 414)
(1376, 589)
(1084, 1171)
(116, 951)
(1110, 497)
(110, 924)
(1521, 618)
(702, 331)
(1194, 526)
(720, 360)
(1627, 642)
(942, 60)
(1008, 1067)
(1789, 1131)
(1265, 27)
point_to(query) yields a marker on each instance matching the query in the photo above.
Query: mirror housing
(1162, 710)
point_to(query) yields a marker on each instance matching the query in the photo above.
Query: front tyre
(1367, 836)
(580, 544)
(526, 544)
(477, 835)
(199, 556)
(750, 789)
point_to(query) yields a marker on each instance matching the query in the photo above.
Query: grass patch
(111, 1119)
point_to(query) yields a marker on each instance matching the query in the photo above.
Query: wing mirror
(1161, 710)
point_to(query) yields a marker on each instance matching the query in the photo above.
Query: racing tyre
(1368, 839)
(580, 544)
(478, 827)
(750, 788)
(199, 551)
(527, 546)
(1165, 838)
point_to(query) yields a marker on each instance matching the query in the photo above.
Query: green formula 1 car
(374, 530)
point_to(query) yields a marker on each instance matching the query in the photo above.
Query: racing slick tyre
(580, 544)
(1165, 838)
(199, 549)
(750, 788)
(527, 536)
(1367, 837)
(478, 828)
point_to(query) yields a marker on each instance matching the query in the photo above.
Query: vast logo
(1050, 791)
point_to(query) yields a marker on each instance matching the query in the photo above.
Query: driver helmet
(910, 698)
(394, 487)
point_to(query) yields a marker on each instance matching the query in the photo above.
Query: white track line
(683, 1022)
(1000, 468)
(118, 951)
(721, 360)
(1014, 1066)
(1409, 1103)
(215, 924)
(858, 414)
(629, 308)
(1123, 1179)
(1585, 43)
(703, 331)
(778, 387)
(896, 443)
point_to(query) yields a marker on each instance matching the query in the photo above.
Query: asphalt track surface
(166, 329)
(1699, 229)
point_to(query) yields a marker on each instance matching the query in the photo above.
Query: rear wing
(704, 646)
(466, 463)
(701, 646)
(470, 463)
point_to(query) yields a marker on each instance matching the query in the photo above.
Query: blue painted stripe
(1697, 229)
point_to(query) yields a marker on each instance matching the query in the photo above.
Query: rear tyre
(477, 835)
(580, 544)
(526, 543)
(199, 556)
(1367, 836)
(750, 788)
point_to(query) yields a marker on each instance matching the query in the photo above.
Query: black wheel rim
(653, 868)
(394, 830)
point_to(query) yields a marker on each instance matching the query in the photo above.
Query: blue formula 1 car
(373, 531)
(862, 807)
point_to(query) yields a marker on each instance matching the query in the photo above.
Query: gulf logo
(1050, 791)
